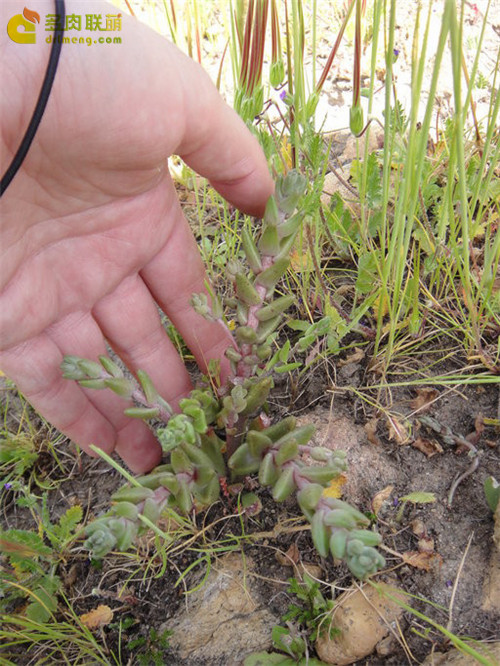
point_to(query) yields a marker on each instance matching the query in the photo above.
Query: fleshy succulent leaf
(147, 386)
(320, 534)
(268, 470)
(145, 413)
(251, 252)
(276, 307)
(285, 485)
(288, 191)
(110, 366)
(246, 291)
(270, 276)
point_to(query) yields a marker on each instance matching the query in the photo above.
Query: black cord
(41, 102)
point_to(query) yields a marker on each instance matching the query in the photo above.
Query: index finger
(218, 145)
(209, 136)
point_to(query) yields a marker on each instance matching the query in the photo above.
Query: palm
(102, 239)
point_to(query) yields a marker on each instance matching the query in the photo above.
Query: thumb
(211, 138)
(219, 146)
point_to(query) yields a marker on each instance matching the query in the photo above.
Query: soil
(453, 577)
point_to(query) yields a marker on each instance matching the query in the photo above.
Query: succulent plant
(197, 458)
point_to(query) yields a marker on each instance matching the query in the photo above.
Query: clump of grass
(418, 257)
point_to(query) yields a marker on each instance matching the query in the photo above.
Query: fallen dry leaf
(425, 561)
(479, 423)
(380, 498)
(474, 437)
(357, 356)
(397, 430)
(371, 431)
(334, 488)
(380, 305)
(314, 351)
(425, 397)
(289, 558)
(300, 261)
(70, 578)
(99, 617)
(428, 446)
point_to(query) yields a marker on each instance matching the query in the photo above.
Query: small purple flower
(449, 583)
(396, 52)
(283, 94)
(7, 485)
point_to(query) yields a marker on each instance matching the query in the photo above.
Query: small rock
(426, 544)
(418, 527)
(496, 531)
(355, 148)
(363, 617)
(332, 185)
(456, 658)
(225, 619)
(491, 584)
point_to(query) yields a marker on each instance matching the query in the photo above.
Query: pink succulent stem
(244, 370)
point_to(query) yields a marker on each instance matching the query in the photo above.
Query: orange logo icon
(21, 27)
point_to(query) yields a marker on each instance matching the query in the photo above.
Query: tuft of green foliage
(30, 573)
(145, 650)
(303, 620)
(17, 455)
(32, 564)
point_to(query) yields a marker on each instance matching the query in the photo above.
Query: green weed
(304, 619)
(33, 563)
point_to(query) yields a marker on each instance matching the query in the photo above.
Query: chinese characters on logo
(92, 22)
(21, 28)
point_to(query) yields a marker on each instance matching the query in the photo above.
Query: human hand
(92, 234)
